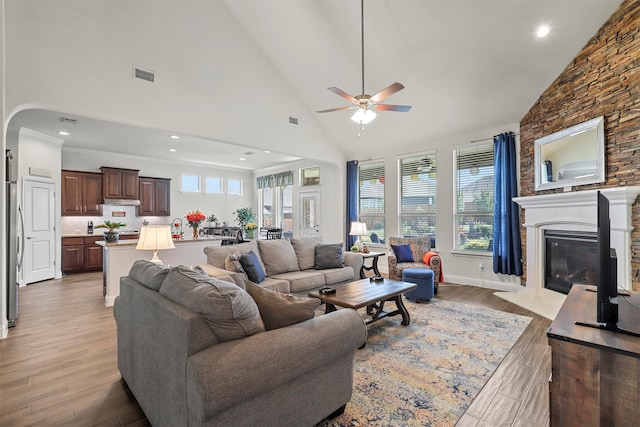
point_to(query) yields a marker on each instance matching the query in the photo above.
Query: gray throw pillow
(279, 310)
(329, 256)
(148, 274)
(228, 310)
(306, 251)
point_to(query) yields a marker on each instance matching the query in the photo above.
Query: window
(234, 187)
(213, 185)
(473, 168)
(190, 184)
(417, 182)
(371, 200)
(310, 176)
(277, 208)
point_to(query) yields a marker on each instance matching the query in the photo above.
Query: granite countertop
(100, 234)
(176, 241)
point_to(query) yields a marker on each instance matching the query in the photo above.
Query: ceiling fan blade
(389, 107)
(343, 94)
(335, 109)
(388, 91)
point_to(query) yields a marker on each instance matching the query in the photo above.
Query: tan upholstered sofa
(419, 247)
(290, 265)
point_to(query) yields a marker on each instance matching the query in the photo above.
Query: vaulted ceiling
(465, 65)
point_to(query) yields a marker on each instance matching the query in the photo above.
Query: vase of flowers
(194, 219)
(251, 227)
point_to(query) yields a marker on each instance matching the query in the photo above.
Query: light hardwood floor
(59, 365)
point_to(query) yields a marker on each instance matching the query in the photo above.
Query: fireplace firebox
(570, 257)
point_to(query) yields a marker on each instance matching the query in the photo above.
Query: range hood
(122, 202)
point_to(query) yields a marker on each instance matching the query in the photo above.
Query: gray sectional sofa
(290, 265)
(195, 351)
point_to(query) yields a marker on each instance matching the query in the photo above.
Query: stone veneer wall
(602, 80)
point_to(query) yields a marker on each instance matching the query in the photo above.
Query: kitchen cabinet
(81, 254)
(155, 194)
(81, 193)
(120, 183)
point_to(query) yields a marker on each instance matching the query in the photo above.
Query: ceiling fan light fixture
(363, 116)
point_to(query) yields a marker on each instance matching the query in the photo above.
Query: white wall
(42, 152)
(181, 203)
(78, 57)
(3, 218)
(332, 200)
(458, 267)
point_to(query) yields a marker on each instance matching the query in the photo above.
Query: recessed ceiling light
(173, 150)
(543, 31)
(242, 158)
(267, 151)
(65, 133)
(174, 137)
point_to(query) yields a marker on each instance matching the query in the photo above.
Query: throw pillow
(252, 267)
(306, 251)
(228, 310)
(403, 253)
(149, 274)
(232, 262)
(277, 256)
(329, 256)
(279, 310)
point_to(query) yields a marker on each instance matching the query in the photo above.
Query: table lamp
(154, 238)
(358, 229)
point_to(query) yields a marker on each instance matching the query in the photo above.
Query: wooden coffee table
(364, 293)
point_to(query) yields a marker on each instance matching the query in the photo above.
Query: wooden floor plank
(59, 365)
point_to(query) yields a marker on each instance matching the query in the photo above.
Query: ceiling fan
(366, 104)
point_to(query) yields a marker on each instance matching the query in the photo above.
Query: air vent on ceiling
(293, 120)
(68, 120)
(140, 73)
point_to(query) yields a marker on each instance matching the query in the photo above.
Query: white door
(39, 230)
(310, 214)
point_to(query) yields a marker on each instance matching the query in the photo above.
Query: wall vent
(140, 73)
(68, 120)
(293, 120)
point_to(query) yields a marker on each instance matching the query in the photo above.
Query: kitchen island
(119, 257)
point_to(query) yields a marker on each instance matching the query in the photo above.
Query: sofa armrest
(393, 267)
(223, 274)
(221, 376)
(355, 261)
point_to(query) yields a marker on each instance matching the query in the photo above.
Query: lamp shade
(154, 238)
(358, 229)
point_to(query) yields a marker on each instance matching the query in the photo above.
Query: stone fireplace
(569, 213)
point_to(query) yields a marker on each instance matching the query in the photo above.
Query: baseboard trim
(480, 283)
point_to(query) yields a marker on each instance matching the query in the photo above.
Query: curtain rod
(491, 138)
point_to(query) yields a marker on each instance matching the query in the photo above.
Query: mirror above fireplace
(573, 156)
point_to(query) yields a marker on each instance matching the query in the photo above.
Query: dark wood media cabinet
(595, 379)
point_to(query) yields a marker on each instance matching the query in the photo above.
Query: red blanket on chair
(427, 257)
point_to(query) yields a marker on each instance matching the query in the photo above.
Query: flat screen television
(607, 316)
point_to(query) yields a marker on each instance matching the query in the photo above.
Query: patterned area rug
(428, 373)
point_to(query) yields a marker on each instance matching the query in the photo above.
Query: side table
(374, 263)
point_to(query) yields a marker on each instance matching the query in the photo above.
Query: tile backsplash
(78, 224)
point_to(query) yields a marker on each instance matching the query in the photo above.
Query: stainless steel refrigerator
(15, 233)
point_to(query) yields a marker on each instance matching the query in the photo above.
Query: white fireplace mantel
(570, 211)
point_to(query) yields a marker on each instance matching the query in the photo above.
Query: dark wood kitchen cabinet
(120, 183)
(81, 193)
(81, 254)
(155, 197)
